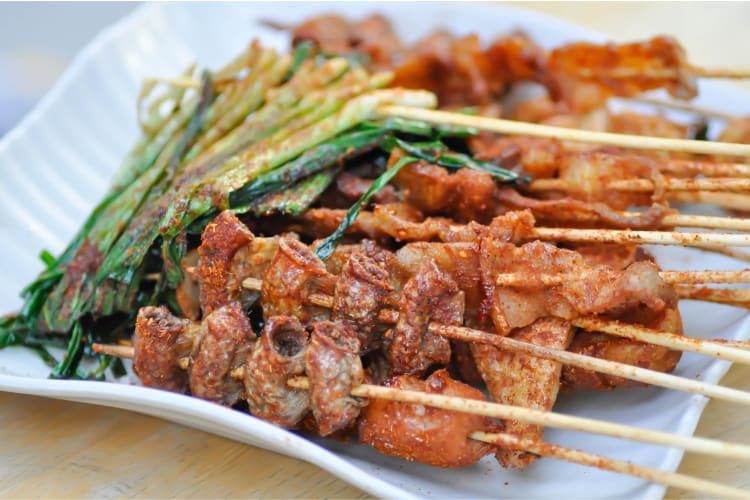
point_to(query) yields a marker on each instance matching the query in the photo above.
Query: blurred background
(39, 39)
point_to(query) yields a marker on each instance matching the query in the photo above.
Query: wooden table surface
(60, 449)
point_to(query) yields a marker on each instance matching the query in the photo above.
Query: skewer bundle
(456, 280)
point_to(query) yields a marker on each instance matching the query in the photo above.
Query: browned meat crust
(521, 380)
(333, 367)
(363, 288)
(393, 222)
(155, 361)
(295, 272)
(424, 434)
(276, 358)
(226, 342)
(624, 350)
(221, 239)
(429, 296)
(582, 289)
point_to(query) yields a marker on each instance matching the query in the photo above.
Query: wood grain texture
(61, 449)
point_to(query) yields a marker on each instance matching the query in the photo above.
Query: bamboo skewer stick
(664, 73)
(640, 237)
(646, 185)
(676, 480)
(729, 296)
(711, 169)
(590, 363)
(729, 252)
(731, 73)
(699, 445)
(642, 375)
(672, 277)
(565, 134)
(634, 332)
(546, 419)
(680, 106)
(532, 416)
(704, 222)
(731, 201)
(664, 339)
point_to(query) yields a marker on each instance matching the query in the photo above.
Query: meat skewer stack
(451, 281)
(290, 269)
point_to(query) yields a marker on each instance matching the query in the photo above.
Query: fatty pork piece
(522, 380)
(581, 290)
(294, 273)
(425, 434)
(226, 340)
(278, 356)
(403, 223)
(429, 296)
(585, 74)
(590, 172)
(159, 342)
(333, 367)
(624, 350)
(469, 195)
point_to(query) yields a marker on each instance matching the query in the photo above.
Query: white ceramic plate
(55, 166)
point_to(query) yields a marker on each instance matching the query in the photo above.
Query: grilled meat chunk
(522, 380)
(429, 296)
(221, 239)
(157, 336)
(362, 290)
(276, 358)
(295, 272)
(224, 346)
(333, 367)
(580, 289)
(425, 434)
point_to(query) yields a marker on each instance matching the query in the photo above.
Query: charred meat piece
(278, 356)
(624, 350)
(157, 335)
(581, 289)
(429, 296)
(333, 367)
(226, 342)
(295, 272)
(521, 380)
(458, 260)
(221, 239)
(424, 434)
(363, 288)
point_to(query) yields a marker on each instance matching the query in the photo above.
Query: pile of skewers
(292, 235)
